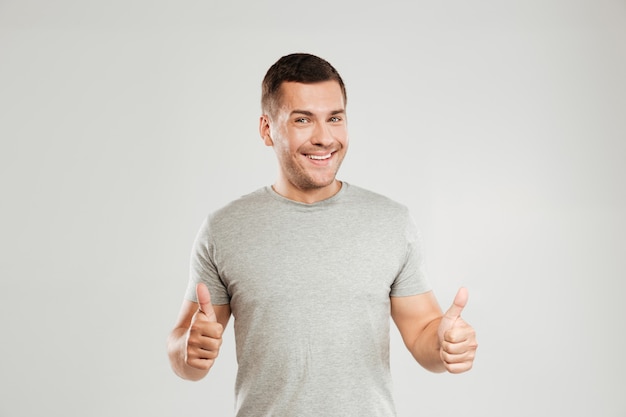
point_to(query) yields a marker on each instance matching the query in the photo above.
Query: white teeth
(318, 157)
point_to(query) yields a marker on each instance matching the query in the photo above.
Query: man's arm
(195, 341)
(438, 342)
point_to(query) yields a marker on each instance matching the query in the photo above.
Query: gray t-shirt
(309, 287)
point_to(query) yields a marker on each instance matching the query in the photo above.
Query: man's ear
(264, 130)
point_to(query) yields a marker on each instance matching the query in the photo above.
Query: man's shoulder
(373, 199)
(243, 203)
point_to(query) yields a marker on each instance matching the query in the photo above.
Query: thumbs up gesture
(204, 337)
(456, 337)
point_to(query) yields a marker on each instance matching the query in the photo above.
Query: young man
(310, 268)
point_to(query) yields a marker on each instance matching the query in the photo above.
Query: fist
(456, 337)
(204, 337)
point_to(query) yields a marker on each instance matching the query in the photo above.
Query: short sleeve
(202, 268)
(411, 280)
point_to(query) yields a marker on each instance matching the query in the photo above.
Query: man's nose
(322, 135)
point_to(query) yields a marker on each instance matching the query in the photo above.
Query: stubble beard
(307, 181)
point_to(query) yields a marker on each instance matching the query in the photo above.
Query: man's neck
(307, 196)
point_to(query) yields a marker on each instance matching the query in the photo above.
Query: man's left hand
(456, 337)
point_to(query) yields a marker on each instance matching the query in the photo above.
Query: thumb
(204, 301)
(455, 310)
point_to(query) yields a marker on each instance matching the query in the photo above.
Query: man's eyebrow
(309, 113)
(304, 112)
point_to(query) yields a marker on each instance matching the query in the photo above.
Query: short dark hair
(297, 67)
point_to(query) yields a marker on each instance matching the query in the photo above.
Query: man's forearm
(426, 348)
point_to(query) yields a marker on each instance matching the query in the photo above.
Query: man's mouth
(319, 157)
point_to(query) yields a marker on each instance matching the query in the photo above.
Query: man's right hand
(204, 336)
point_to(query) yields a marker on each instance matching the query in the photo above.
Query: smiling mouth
(319, 157)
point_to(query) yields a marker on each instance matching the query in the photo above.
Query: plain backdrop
(501, 124)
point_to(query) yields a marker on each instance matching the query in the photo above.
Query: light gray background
(501, 124)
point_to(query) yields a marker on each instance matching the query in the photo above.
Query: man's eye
(335, 119)
(302, 120)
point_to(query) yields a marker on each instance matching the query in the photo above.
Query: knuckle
(215, 330)
(191, 341)
(201, 364)
(457, 368)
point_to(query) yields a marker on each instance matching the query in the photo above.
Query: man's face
(309, 135)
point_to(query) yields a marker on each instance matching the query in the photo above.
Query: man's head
(300, 68)
(304, 121)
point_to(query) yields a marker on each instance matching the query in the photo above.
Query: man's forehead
(318, 84)
(324, 92)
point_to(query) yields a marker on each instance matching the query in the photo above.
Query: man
(310, 268)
